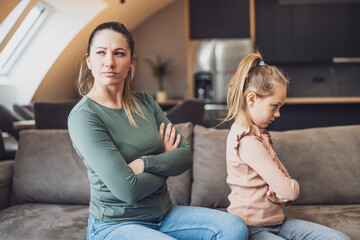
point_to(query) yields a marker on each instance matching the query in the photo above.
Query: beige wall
(59, 82)
(162, 34)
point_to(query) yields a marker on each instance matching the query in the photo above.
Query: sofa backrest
(209, 188)
(180, 186)
(325, 162)
(47, 169)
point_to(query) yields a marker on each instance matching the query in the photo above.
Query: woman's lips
(109, 74)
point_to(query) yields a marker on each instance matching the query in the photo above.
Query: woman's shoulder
(142, 96)
(84, 108)
(145, 100)
(83, 104)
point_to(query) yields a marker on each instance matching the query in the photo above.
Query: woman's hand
(137, 166)
(169, 137)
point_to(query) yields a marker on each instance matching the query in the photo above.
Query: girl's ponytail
(238, 84)
(251, 75)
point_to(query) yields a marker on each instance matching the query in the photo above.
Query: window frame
(23, 33)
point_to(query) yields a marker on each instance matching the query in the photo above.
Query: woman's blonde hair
(254, 75)
(86, 80)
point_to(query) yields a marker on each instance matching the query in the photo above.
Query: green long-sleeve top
(106, 141)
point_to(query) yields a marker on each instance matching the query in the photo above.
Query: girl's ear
(251, 98)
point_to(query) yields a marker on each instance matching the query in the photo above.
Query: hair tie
(261, 63)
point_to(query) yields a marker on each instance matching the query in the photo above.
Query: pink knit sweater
(254, 168)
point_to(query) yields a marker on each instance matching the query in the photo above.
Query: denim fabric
(295, 229)
(182, 222)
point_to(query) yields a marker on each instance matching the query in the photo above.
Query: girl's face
(263, 111)
(110, 58)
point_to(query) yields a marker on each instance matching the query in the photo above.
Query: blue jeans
(295, 229)
(182, 222)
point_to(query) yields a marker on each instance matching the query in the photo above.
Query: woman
(129, 154)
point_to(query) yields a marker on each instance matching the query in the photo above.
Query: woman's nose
(109, 61)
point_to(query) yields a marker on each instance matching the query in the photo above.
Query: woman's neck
(108, 96)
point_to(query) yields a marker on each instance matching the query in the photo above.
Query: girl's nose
(277, 114)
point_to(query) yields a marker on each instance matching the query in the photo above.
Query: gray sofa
(44, 193)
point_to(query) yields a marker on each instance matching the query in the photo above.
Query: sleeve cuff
(147, 163)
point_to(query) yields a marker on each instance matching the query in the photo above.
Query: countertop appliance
(217, 61)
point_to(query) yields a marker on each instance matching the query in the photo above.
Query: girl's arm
(93, 143)
(276, 199)
(170, 163)
(254, 154)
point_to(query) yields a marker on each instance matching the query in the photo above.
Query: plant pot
(161, 96)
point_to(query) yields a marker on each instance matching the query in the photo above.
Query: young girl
(260, 185)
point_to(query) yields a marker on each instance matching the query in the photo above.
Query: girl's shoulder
(242, 131)
(247, 138)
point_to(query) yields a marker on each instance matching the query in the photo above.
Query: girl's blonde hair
(254, 75)
(86, 80)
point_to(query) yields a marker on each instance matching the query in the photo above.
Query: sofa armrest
(6, 174)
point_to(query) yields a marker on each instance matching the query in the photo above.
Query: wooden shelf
(24, 124)
(321, 100)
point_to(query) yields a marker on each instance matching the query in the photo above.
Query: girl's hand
(169, 137)
(273, 198)
(137, 166)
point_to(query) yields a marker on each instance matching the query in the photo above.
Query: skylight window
(22, 34)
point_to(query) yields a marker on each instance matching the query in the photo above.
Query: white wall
(66, 18)
(7, 95)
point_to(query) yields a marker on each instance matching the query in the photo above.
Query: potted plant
(160, 69)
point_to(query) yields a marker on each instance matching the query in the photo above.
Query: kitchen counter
(296, 100)
(321, 100)
(299, 113)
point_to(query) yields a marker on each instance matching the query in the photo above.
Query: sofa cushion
(48, 170)
(209, 188)
(325, 162)
(44, 222)
(345, 218)
(180, 186)
(6, 173)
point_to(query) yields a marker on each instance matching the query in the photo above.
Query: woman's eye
(119, 54)
(100, 52)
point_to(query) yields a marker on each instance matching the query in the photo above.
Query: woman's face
(110, 58)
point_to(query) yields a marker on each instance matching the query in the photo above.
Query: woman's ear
(133, 60)
(87, 58)
(251, 98)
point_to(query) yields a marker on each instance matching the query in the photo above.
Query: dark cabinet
(219, 19)
(306, 33)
